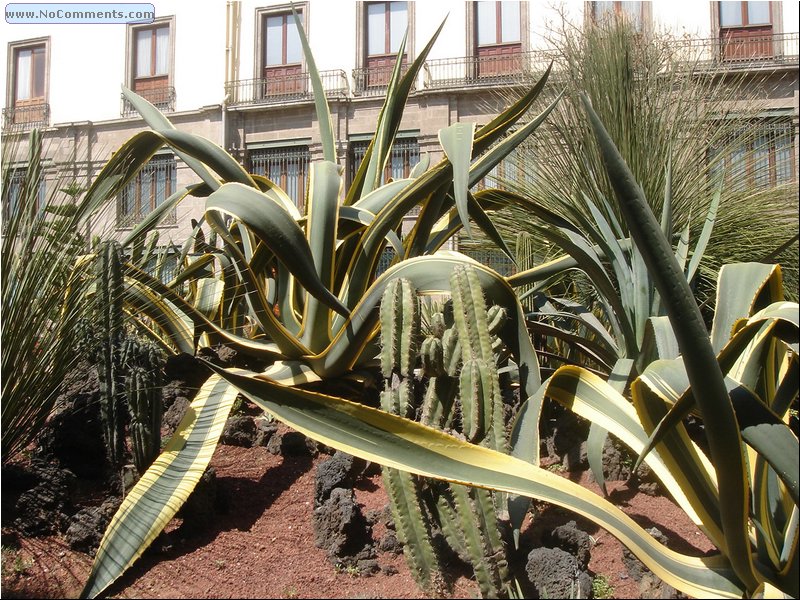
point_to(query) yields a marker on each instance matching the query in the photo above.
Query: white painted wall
(87, 62)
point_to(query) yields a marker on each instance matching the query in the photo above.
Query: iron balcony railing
(162, 98)
(471, 71)
(285, 88)
(373, 81)
(27, 116)
(739, 50)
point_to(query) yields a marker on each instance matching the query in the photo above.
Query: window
(286, 166)
(384, 25)
(15, 195)
(152, 185)
(745, 30)
(403, 158)
(760, 161)
(281, 55)
(634, 11)
(151, 63)
(498, 39)
(26, 96)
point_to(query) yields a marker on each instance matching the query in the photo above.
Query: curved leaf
(161, 491)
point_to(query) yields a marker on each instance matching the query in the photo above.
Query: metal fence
(21, 118)
(162, 98)
(285, 88)
(727, 52)
(469, 71)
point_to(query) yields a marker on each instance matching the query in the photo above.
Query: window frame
(128, 219)
(131, 34)
(744, 14)
(362, 32)
(776, 16)
(472, 29)
(259, 48)
(523, 6)
(281, 154)
(747, 176)
(16, 183)
(11, 82)
(406, 146)
(645, 14)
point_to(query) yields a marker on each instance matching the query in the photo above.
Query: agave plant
(300, 291)
(741, 381)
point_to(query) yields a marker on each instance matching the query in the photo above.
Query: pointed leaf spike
(457, 141)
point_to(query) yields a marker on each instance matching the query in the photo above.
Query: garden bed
(262, 544)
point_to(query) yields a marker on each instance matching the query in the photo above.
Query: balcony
(291, 87)
(484, 71)
(373, 80)
(739, 51)
(26, 116)
(163, 98)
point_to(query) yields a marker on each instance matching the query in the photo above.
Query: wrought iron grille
(156, 182)
(286, 166)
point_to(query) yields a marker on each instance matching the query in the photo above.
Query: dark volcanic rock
(73, 434)
(556, 574)
(291, 443)
(88, 525)
(240, 430)
(44, 508)
(341, 529)
(338, 471)
(570, 539)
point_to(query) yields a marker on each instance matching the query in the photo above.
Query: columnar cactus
(144, 363)
(108, 304)
(458, 359)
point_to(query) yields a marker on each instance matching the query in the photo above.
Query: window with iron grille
(286, 166)
(15, 195)
(152, 185)
(402, 159)
(759, 161)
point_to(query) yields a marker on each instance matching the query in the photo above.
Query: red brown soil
(263, 547)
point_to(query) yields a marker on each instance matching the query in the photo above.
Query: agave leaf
(121, 168)
(705, 236)
(324, 186)
(209, 153)
(365, 218)
(157, 121)
(178, 326)
(389, 120)
(456, 141)
(277, 230)
(704, 372)
(161, 491)
(320, 99)
(739, 287)
(404, 444)
(492, 157)
(184, 310)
